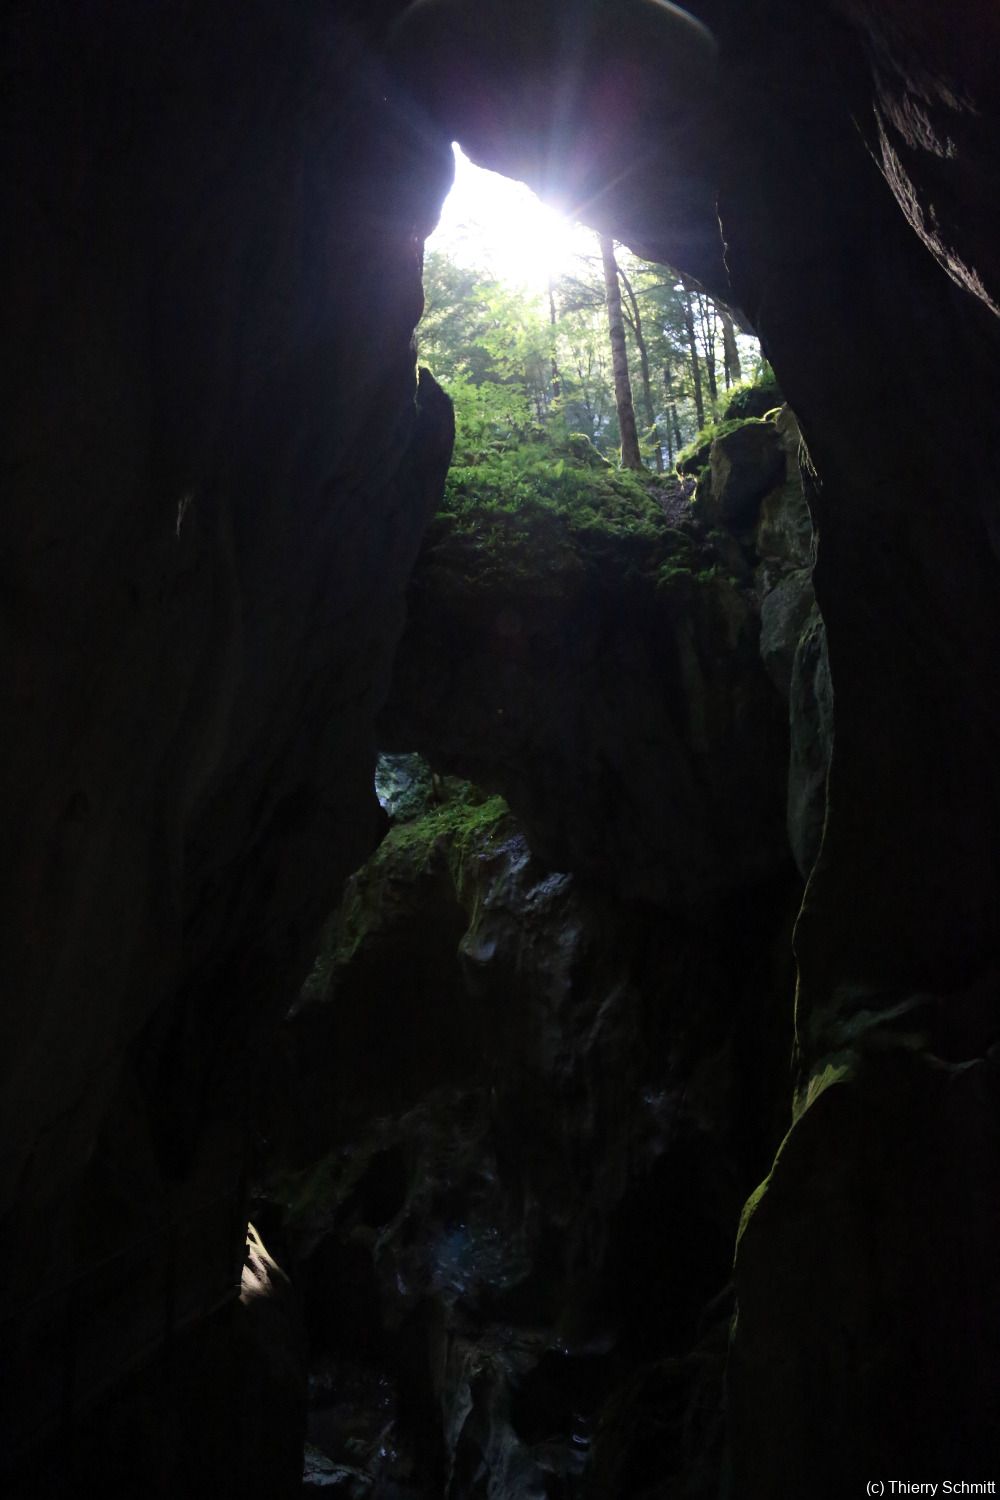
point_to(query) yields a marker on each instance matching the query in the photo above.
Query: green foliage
(529, 520)
(491, 348)
(693, 458)
(531, 382)
(455, 832)
(489, 419)
(518, 469)
(515, 364)
(753, 398)
(541, 474)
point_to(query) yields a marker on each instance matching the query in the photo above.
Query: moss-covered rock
(885, 1195)
(582, 449)
(506, 1169)
(695, 455)
(752, 400)
(784, 532)
(604, 676)
(745, 463)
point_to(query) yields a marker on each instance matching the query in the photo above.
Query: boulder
(752, 401)
(610, 687)
(745, 464)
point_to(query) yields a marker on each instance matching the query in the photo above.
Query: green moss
(561, 485)
(753, 398)
(578, 492)
(582, 449)
(456, 830)
(556, 531)
(695, 456)
(454, 835)
(751, 1206)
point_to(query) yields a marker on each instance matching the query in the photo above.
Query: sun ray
(502, 227)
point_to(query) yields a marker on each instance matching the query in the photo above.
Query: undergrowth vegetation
(532, 500)
(549, 473)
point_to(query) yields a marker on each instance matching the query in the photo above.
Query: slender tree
(706, 316)
(730, 349)
(674, 439)
(631, 458)
(699, 400)
(635, 323)
(556, 382)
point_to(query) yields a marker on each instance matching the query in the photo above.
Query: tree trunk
(674, 442)
(556, 382)
(631, 458)
(706, 312)
(730, 351)
(647, 390)
(699, 400)
(673, 425)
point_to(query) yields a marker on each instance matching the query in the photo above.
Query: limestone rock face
(784, 526)
(745, 465)
(811, 720)
(218, 469)
(506, 1298)
(783, 614)
(876, 1130)
(621, 707)
(404, 785)
(613, 686)
(223, 1404)
(897, 903)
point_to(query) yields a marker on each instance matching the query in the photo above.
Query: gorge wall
(209, 523)
(517, 1109)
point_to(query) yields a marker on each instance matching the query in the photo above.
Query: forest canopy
(524, 368)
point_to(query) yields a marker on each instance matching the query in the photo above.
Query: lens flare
(502, 228)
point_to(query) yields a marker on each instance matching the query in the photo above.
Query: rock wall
(518, 1108)
(610, 685)
(853, 1356)
(217, 470)
(514, 1123)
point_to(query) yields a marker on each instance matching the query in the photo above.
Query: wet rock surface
(496, 1257)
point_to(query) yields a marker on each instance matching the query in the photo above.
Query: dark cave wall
(217, 472)
(853, 1347)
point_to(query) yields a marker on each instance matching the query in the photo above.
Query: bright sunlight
(496, 225)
